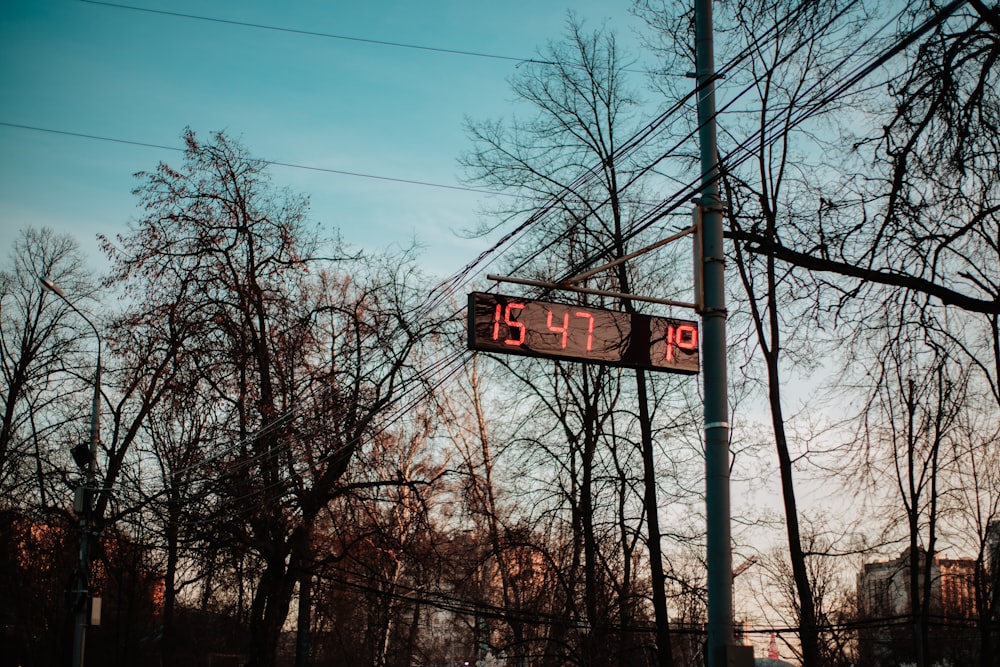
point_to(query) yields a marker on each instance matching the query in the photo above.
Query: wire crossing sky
(360, 106)
(69, 167)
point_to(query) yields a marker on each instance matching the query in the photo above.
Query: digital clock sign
(512, 325)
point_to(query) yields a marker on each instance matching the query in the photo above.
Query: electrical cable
(347, 38)
(277, 163)
(313, 33)
(690, 189)
(776, 128)
(639, 139)
(629, 146)
(810, 109)
(653, 129)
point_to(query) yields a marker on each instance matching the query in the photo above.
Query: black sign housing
(512, 325)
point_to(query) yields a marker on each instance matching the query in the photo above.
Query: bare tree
(763, 199)
(466, 412)
(301, 361)
(778, 56)
(168, 496)
(974, 522)
(909, 430)
(574, 154)
(924, 217)
(43, 366)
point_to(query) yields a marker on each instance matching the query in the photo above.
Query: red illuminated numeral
(590, 328)
(684, 337)
(511, 324)
(496, 323)
(687, 337)
(564, 329)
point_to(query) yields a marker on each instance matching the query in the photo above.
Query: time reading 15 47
(512, 325)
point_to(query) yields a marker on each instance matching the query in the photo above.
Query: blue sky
(90, 68)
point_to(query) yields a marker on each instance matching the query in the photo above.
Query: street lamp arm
(95, 412)
(55, 289)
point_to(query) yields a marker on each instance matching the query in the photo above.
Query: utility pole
(83, 502)
(721, 648)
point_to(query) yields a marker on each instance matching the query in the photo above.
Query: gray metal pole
(719, 555)
(86, 523)
(81, 592)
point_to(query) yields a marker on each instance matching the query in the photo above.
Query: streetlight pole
(722, 651)
(721, 648)
(84, 498)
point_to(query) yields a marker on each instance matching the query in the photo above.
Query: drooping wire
(449, 287)
(638, 140)
(777, 127)
(451, 364)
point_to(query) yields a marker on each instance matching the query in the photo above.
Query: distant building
(884, 608)
(884, 587)
(993, 548)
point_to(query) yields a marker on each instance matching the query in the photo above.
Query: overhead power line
(347, 38)
(817, 98)
(327, 35)
(277, 163)
(450, 364)
(644, 136)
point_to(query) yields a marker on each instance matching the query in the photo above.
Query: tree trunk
(768, 333)
(167, 641)
(268, 613)
(516, 653)
(988, 593)
(916, 607)
(808, 632)
(385, 629)
(664, 648)
(303, 623)
(595, 643)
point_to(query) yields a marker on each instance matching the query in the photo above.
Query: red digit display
(496, 323)
(590, 328)
(513, 325)
(510, 322)
(680, 337)
(564, 329)
(687, 337)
